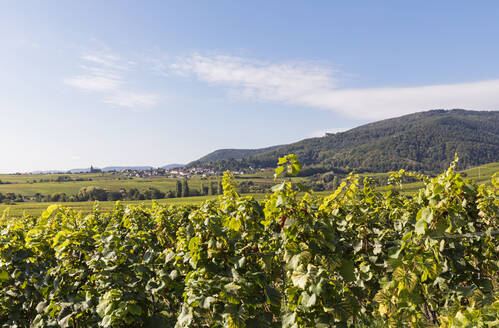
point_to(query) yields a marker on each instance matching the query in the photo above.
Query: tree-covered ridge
(425, 141)
(357, 258)
(233, 154)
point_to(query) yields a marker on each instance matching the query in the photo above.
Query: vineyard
(358, 257)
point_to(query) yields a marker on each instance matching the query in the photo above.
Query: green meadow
(23, 184)
(112, 182)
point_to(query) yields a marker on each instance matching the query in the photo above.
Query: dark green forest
(425, 141)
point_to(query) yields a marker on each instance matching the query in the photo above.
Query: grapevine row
(356, 258)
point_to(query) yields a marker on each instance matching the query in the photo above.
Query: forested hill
(233, 154)
(424, 141)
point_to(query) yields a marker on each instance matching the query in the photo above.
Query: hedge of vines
(356, 258)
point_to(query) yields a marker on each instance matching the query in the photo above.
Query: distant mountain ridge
(171, 166)
(423, 141)
(119, 168)
(112, 168)
(109, 169)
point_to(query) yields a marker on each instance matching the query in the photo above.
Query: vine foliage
(356, 258)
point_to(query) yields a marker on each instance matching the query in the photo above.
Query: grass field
(21, 184)
(480, 175)
(108, 181)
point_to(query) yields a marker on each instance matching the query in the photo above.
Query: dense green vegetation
(356, 258)
(256, 184)
(425, 141)
(234, 154)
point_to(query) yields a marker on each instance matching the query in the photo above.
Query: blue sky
(158, 82)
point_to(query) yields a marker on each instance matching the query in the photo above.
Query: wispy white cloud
(376, 103)
(95, 82)
(282, 82)
(105, 73)
(323, 132)
(317, 86)
(108, 60)
(132, 99)
(159, 64)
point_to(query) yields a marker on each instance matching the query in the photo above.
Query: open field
(20, 184)
(112, 182)
(29, 185)
(479, 175)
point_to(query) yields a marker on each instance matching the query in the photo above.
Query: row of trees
(10, 198)
(60, 178)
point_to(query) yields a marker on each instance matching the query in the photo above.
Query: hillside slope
(222, 154)
(424, 141)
